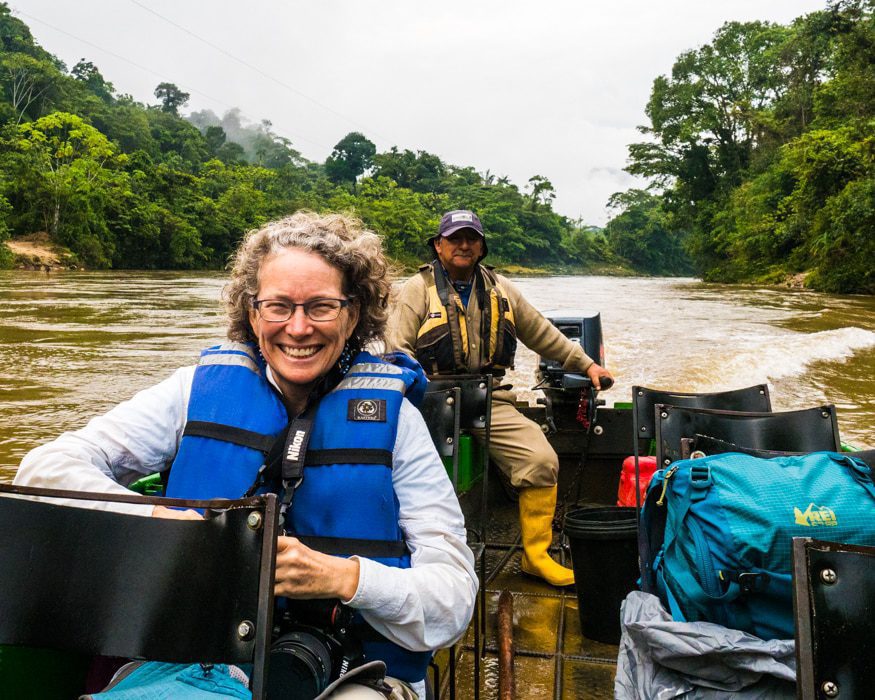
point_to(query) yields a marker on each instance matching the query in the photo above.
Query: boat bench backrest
(476, 394)
(644, 401)
(833, 590)
(806, 430)
(106, 583)
(440, 410)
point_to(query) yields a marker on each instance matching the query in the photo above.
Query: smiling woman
(300, 349)
(372, 525)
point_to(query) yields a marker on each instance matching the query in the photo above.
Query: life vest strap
(229, 433)
(448, 299)
(347, 546)
(320, 458)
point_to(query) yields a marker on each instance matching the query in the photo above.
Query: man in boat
(457, 316)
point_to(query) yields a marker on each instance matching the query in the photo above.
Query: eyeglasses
(279, 311)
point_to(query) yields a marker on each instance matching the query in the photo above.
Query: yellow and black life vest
(442, 341)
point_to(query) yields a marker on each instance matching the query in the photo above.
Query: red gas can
(626, 492)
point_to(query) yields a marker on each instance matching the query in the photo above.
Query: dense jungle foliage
(760, 153)
(127, 185)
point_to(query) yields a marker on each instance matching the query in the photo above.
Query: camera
(313, 646)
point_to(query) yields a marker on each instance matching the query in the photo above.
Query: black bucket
(604, 553)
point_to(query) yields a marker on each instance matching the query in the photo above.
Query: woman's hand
(302, 572)
(174, 514)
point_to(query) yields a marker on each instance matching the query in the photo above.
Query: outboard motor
(562, 387)
(581, 327)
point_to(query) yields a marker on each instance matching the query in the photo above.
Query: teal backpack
(726, 522)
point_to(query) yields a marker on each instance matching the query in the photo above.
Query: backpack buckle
(700, 476)
(748, 581)
(700, 481)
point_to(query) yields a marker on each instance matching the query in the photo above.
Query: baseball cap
(458, 219)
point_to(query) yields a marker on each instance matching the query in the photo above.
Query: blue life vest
(346, 503)
(234, 417)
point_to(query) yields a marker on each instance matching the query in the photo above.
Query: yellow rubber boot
(536, 523)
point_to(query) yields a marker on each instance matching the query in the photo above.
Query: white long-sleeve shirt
(427, 606)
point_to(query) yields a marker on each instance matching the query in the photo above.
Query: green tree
(706, 118)
(65, 172)
(172, 98)
(640, 233)
(543, 193)
(26, 85)
(88, 74)
(586, 246)
(843, 246)
(351, 157)
(398, 214)
(271, 150)
(419, 171)
(5, 253)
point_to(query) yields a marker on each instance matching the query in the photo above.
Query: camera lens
(300, 667)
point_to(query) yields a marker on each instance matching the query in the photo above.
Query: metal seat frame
(472, 397)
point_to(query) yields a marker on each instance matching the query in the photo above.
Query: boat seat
(473, 399)
(97, 582)
(644, 401)
(476, 392)
(833, 599)
(805, 430)
(440, 409)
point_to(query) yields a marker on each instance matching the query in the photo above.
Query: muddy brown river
(73, 344)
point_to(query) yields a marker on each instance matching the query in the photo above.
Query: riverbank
(36, 252)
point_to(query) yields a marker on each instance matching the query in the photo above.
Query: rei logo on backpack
(729, 520)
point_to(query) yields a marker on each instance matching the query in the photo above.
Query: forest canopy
(123, 184)
(760, 152)
(758, 155)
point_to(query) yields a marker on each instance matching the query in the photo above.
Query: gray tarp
(660, 659)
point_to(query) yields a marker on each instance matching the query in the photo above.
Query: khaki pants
(518, 445)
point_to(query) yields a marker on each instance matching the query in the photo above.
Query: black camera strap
(293, 460)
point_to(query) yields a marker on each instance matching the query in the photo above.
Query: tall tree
(542, 193)
(26, 84)
(420, 171)
(705, 117)
(352, 155)
(172, 98)
(86, 72)
(65, 173)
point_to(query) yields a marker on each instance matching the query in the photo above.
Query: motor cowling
(579, 327)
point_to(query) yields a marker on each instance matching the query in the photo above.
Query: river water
(73, 344)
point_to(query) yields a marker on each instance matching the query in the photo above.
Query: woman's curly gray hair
(342, 241)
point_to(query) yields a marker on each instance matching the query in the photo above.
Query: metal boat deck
(553, 660)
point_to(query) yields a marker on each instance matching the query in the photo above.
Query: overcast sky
(516, 88)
